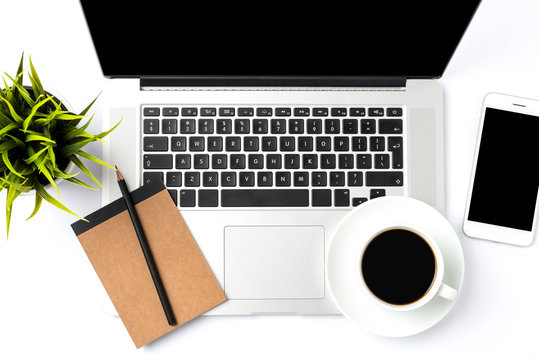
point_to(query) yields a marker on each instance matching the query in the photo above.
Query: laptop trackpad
(274, 262)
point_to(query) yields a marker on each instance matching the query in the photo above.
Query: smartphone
(502, 201)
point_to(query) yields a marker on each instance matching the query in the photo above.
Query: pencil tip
(119, 175)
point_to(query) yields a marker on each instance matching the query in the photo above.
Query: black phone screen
(506, 179)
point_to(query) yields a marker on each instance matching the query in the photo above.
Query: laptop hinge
(272, 81)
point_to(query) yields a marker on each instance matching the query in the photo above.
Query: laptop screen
(276, 38)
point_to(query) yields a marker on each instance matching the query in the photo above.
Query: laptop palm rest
(274, 262)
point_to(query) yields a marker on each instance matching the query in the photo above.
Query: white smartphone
(502, 201)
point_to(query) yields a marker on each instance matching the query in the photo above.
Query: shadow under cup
(398, 266)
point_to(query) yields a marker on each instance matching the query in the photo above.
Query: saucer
(354, 230)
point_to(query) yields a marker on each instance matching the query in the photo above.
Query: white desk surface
(50, 296)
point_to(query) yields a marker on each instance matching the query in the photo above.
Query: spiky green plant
(39, 137)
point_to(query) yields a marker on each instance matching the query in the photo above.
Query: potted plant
(40, 141)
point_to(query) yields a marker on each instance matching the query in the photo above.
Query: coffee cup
(402, 269)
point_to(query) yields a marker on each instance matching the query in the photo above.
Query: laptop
(269, 123)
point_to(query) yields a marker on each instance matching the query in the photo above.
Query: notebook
(112, 246)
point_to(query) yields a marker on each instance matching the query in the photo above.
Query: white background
(50, 296)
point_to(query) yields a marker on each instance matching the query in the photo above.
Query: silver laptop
(269, 124)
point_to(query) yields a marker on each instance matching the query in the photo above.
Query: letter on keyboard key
(384, 178)
(158, 161)
(264, 198)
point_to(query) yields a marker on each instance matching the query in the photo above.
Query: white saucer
(342, 262)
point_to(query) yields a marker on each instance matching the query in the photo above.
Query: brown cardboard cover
(115, 253)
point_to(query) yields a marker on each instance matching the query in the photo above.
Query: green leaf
(37, 205)
(12, 111)
(83, 112)
(45, 171)
(45, 195)
(70, 149)
(28, 119)
(94, 159)
(5, 158)
(9, 94)
(23, 92)
(7, 145)
(65, 115)
(36, 83)
(73, 132)
(7, 128)
(19, 69)
(105, 133)
(80, 183)
(12, 194)
(81, 166)
(36, 137)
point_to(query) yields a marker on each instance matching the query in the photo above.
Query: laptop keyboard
(274, 156)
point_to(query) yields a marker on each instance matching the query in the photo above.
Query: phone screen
(506, 179)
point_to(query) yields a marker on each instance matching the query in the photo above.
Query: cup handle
(447, 292)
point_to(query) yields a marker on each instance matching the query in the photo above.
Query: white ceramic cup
(437, 287)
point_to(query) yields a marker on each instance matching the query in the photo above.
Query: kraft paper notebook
(110, 241)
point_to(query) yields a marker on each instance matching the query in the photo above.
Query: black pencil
(146, 249)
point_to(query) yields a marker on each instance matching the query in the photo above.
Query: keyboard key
(394, 112)
(342, 197)
(187, 198)
(355, 178)
(346, 161)
(375, 193)
(376, 112)
(233, 143)
(228, 178)
(269, 143)
(314, 126)
(154, 143)
(201, 161)
(151, 126)
(368, 126)
(208, 198)
(337, 178)
(323, 143)
(247, 178)
(178, 143)
(174, 179)
(243, 111)
(260, 126)
(215, 143)
(288, 143)
(151, 111)
(196, 143)
(394, 144)
(205, 126)
(390, 126)
(377, 143)
(320, 112)
(381, 161)
(224, 126)
(319, 178)
(219, 161)
(384, 178)
(241, 126)
(321, 197)
(364, 161)
(237, 161)
(273, 161)
(256, 161)
(208, 111)
(227, 111)
(265, 111)
(283, 178)
(183, 161)
(358, 201)
(171, 111)
(148, 177)
(357, 111)
(359, 143)
(328, 161)
(187, 126)
(339, 112)
(158, 161)
(301, 178)
(192, 179)
(291, 161)
(278, 126)
(250, 143)
(295, 126)
(169, 126)
(310, 161)
(265, 198)
(210, 178)
(305, 143)
(301, 112)
(350, 126)
(189, 111)
(341, 143)
(265, 178)
(332, 126)
(283, 112)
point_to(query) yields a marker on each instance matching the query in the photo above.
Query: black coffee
(398, 266)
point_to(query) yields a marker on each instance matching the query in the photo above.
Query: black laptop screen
(276, 38)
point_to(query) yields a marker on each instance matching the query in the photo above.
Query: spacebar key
(264, 198)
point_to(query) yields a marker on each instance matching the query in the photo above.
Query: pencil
(145, 249)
